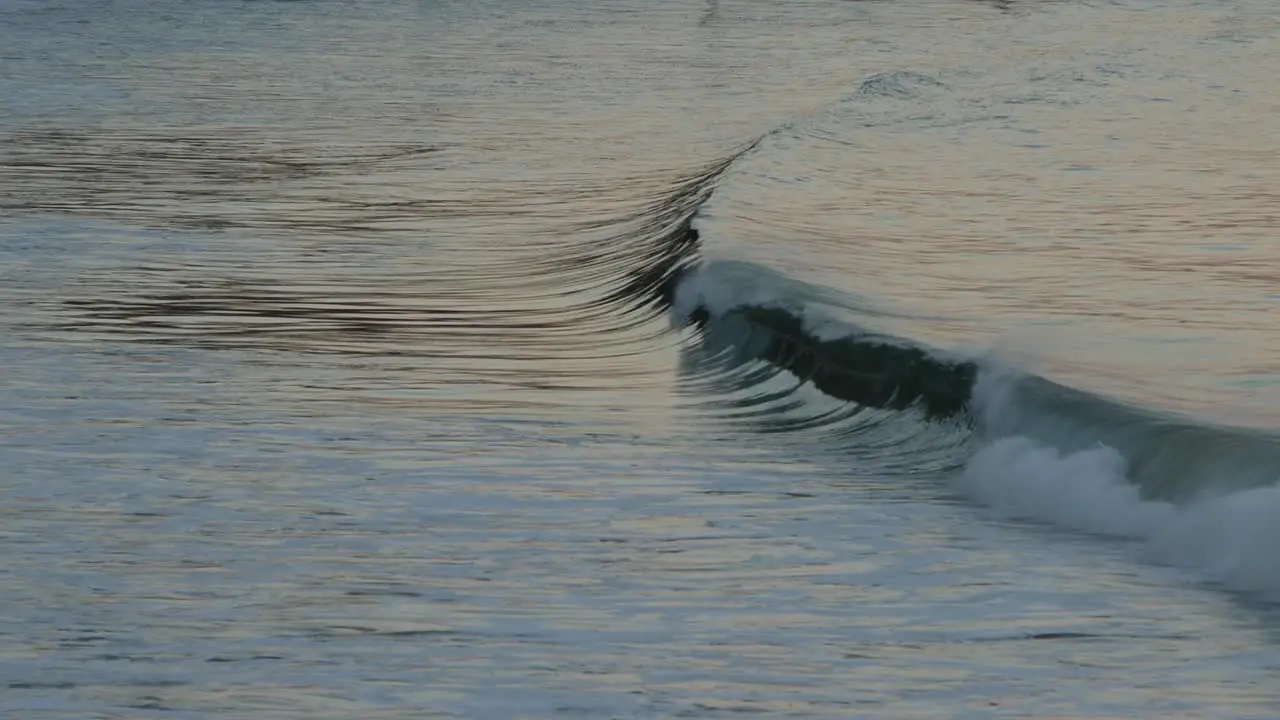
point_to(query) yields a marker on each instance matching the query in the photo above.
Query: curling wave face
(1200, 495)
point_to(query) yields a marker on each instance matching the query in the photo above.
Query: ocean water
(679, 359)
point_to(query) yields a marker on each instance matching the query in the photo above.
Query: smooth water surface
(340, 379)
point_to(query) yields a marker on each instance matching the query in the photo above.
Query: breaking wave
(759, 346)
(1198, 496)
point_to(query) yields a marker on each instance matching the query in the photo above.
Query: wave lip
(856, 366)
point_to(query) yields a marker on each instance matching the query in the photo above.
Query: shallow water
(336, 383)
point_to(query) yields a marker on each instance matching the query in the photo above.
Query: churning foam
(1230, 538)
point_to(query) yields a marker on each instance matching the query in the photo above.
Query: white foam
(1230, 539)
